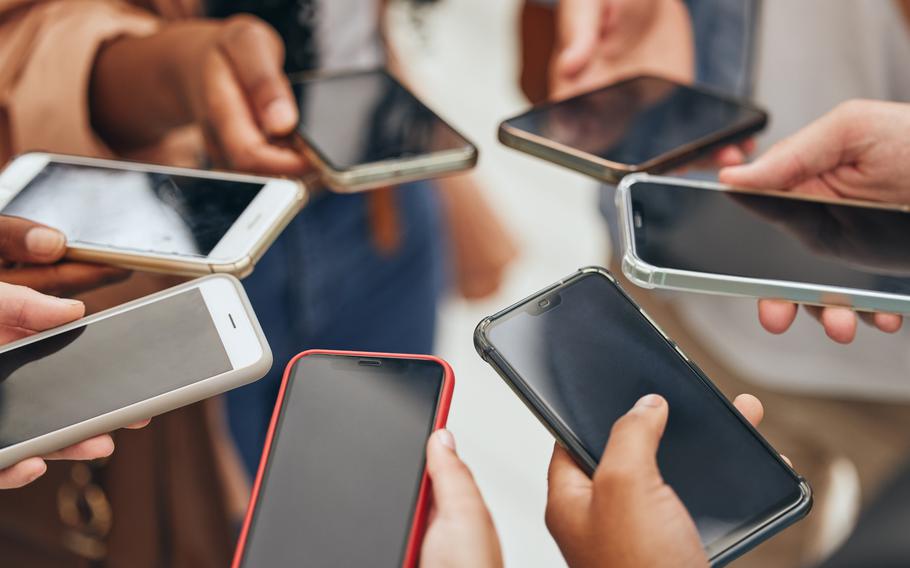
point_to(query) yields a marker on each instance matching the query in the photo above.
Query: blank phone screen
(345, 465)
(772, 237)
(368, 117)
(637, 120)
(133, 210)
(91, 370)
(591, 355)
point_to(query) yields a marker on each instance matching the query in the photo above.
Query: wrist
(141, 87)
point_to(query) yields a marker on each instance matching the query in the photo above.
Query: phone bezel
(611, 171)
(719, 552)
(247, 350)
(239, 248)
(647, 275)
(421, 513)
(372, 175)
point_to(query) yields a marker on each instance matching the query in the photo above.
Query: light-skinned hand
(23, 312)
(460, 530)
(859, 150)
(33, 257)
(601, 41)
(626, 516)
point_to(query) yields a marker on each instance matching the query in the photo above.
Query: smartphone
(364, 129)
(154, 218)
(641, 124)
(706, 237)
(126, 364)
(342, 480)
(580, 353)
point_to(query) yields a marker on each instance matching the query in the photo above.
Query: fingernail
(70, 301)
(42, 241)
(280, 115)
(446, 439)
(649, 401)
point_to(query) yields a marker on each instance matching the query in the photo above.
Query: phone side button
(680, 351)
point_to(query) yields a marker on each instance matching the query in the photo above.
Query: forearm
(139, 84)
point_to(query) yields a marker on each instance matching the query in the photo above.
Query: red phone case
(412, 552)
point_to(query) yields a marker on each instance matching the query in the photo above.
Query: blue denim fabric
(724, 32)
(323, 284)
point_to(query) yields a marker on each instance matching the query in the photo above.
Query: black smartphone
(342, 480)
(642, 124)
(364, 129)
(581, 352)
(705, 237)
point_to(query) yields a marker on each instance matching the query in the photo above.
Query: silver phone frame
(647, 275)
(165, 402)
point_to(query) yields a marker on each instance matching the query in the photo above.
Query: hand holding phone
(34, 253)
(24, 311)
(626, 516)
(856, 151)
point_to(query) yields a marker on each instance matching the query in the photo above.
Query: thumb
(256, 53)
(817, 148)
(578, 31)
(634, 440)
(452, 482)
(24, 308)
(22, 240)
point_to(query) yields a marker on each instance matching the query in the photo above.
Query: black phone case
(567, 439)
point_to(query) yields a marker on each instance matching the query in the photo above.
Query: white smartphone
(125, 364)
(155, 218)
(706, 237)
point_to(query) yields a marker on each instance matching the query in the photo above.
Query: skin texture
(460, 531)
(225, 75)
(626, 516)
(857, 151)
(33, 257)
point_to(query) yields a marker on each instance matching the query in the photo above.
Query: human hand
(224, 75)
(460, 531)
(33, 257)
(602, 41)
(857, 151)
(482, 246)
(24, 312)
(626, 516)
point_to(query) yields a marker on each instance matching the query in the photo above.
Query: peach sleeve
(47, 50)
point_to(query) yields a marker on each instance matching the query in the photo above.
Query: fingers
(256, 54)
(25, 241)
(776, 316)
(22, 473)
(139, 425)
(64, 278)
(839, 324)
(91, 449)
(634, 439)
(580, 26)
(889, 323)
(569, 492)
(454, 489)
(750, 407)
(236, 136)
(24, 308)
(815, 149)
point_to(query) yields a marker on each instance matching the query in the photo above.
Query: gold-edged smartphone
(148, 217)
(364, 129)
(641, 124)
